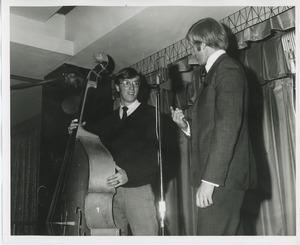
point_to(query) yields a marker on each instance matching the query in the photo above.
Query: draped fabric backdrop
(272, 127)
(267, 51)
(25, 161)
(277, 215)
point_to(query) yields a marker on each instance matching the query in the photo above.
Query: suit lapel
(208, 77)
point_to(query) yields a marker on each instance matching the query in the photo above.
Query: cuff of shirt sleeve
(216, 185)
(188, 130)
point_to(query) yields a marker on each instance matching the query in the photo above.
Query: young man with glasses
(129, 133)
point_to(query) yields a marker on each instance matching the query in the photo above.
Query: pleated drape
(25, 161)
(277, 214)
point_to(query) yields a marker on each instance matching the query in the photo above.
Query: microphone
(73, 79)
(161, 70)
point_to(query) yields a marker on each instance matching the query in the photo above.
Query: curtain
(258, 32)
(25, 159)
(277, 214)
(271, 209)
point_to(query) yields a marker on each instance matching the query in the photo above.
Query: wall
(24, 103)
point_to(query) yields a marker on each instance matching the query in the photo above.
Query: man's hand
(118, 179)
(179, 118)
(73, 125)
(204, 195)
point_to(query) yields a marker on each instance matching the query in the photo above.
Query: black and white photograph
(139, 122)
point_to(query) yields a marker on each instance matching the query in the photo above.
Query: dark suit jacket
(221, 148)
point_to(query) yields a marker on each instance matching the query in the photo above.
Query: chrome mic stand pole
(162, 204)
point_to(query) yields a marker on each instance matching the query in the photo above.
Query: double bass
(82, 202)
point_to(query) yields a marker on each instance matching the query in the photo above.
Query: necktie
(124, 112)
(203, 74)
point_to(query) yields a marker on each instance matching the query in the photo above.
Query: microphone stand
(162, 204)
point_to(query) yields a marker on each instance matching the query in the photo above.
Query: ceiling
(44, 38)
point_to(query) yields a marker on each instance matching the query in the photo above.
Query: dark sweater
(133, 144)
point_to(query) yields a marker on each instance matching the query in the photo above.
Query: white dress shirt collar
(211, 60)
(131, 108)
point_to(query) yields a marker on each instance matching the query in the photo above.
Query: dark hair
(208, 31)
(126, 73)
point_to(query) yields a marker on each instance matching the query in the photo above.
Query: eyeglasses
(127, 84)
